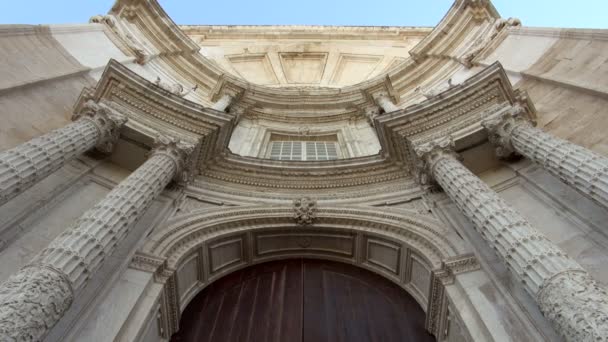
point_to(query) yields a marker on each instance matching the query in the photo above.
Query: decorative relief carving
(305, 210)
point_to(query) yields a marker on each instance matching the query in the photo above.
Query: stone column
(223, 103)
(567, 295)
(23, 166)
(384, 101)
(576, 166)
(35, 298)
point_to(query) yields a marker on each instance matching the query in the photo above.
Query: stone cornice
(286, 175)
(398, 33)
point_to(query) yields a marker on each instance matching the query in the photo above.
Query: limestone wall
(565, 72)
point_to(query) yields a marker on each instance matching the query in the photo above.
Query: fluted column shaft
(576, 166)
(566, 294)
(28, 163)
(34, 299)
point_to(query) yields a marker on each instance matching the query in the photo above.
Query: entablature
(456, 113)
(152, 110)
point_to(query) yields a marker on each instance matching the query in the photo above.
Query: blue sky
(548, 13)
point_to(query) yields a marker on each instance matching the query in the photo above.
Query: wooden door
(302, 300)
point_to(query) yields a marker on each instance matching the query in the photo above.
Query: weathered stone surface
(546, 272)
(79, 251)
(576, 166)
(24, 165)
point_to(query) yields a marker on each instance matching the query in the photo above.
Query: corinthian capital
(107, 120)
(431, 152)
(500, 129)
(181, 153)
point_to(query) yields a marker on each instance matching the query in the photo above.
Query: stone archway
(407, 248)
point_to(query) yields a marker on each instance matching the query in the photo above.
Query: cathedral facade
(145, 165)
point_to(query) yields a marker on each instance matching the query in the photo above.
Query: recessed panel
(187, 275)
(303, 67)
(383, 254)
(226, 253)
(268, 244)
(254, 67)
(352, 69)
(420, 277)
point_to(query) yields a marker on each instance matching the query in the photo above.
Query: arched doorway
(303, 300)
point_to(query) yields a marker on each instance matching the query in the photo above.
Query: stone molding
(545, 271)
(437, 310)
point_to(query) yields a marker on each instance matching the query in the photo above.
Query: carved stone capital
(107, 120)
(500, 129)
(304, 211)
(179, 152)
(429, 154)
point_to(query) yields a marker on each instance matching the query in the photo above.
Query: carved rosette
(304, 211)
(501, 128)
(107, 121)
(546, 272)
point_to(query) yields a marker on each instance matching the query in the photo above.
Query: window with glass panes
(303, 150)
